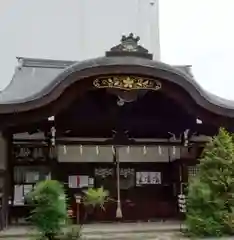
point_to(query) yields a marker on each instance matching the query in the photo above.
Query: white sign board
(77, 181)
(148, 178)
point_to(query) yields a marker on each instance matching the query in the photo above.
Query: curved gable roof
(35, 79)
(32, 76)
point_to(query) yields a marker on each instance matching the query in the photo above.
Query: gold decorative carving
(127, 83)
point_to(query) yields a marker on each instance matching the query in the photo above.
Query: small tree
(50, 212)
(95, 198)
(210, 205)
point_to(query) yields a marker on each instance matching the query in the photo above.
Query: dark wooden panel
(138, 203)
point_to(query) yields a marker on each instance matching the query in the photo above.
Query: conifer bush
(210, 202)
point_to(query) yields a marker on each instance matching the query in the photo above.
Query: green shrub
(96, 197)
(211, 192)
(50, 210)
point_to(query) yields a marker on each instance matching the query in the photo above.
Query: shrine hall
(122, 121)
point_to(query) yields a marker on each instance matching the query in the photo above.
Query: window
(192, 171)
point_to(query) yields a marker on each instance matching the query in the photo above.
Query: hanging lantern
(53, 132)
(52, 145)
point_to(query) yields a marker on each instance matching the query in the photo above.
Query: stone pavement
(114, 231)
(159, 236)
(163, 236)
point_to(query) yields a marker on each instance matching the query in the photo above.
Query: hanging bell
(21, 152)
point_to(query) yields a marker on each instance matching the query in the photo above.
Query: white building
(102, 22)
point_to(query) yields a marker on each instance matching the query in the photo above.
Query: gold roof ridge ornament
(127, 83)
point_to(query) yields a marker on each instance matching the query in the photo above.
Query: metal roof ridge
(44, 63)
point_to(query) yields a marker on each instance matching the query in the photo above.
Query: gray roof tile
(34, 75)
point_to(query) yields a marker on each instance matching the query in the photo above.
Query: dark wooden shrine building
(122, 121)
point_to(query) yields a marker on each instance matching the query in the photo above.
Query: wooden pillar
(5, 183)
(78, 202)
(53, 163)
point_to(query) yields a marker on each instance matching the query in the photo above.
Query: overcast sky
(196, 32)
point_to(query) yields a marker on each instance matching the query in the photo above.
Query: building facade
(124, 121)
